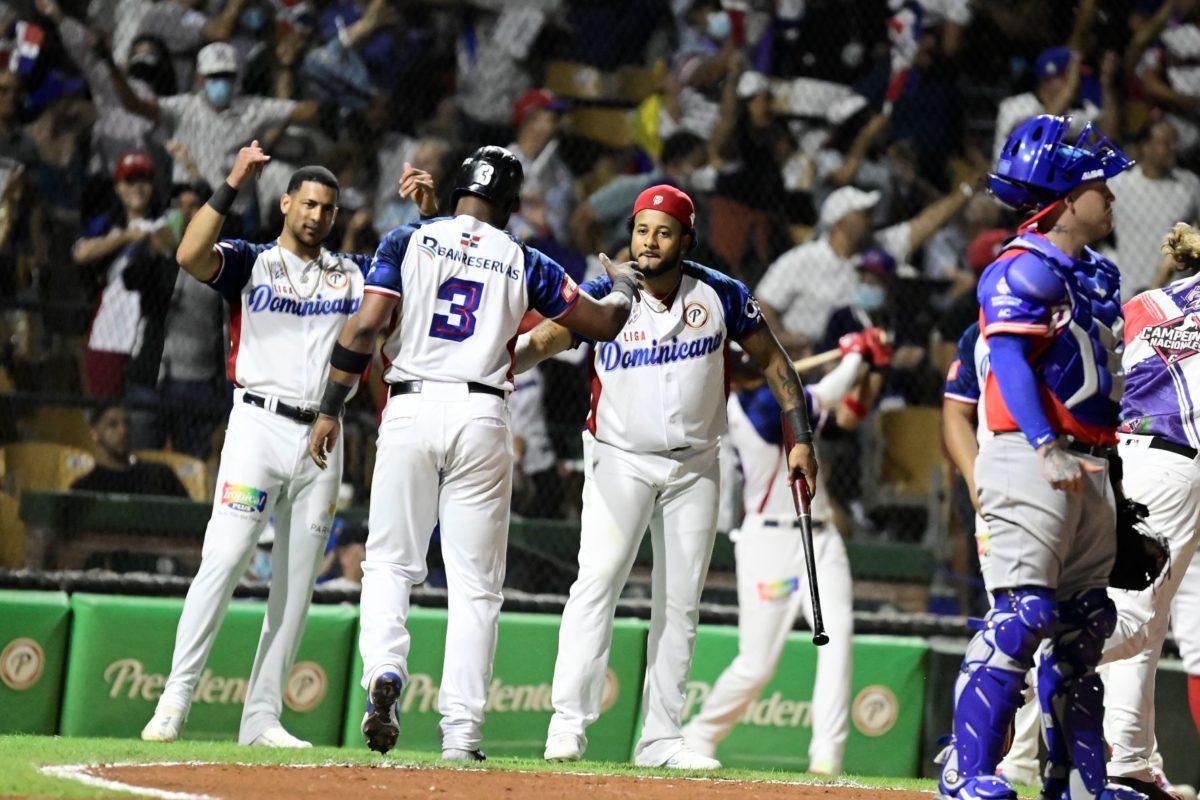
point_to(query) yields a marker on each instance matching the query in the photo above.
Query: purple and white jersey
(662, 383)
(1162, 375)
(285, 315)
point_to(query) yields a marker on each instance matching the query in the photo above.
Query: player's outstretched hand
(248, 165)
(802, 463)
(418, 184)
(324, 435)
(617, 270)
(1064, 470)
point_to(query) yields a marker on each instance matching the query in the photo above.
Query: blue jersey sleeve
(552, 292)
(1019, 295)
(97, 226)
(962, 382)
(1019, 387)
(383, 275)
(362, 262)
(237, 262)
(742, 314)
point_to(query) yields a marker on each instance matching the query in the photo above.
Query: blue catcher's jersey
(1072, 309)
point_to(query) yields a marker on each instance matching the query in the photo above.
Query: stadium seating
(43, 465)
(192, 472)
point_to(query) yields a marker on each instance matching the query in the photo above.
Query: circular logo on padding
(306, 686)
(21, 664)
(875, 710)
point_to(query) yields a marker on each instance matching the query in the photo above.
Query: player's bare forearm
(360, 331)
(958, 433)
(546, 340)
(195, 252)
(598, 320)
(777, 368)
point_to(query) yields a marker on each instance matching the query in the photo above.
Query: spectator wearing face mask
(150, 73)
(216, 120)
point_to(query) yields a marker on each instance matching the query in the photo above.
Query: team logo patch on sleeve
(752, 310)
(695, 314)
(777, 590)
(569, 288)
(241, 497)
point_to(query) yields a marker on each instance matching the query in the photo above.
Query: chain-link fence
(835, 150)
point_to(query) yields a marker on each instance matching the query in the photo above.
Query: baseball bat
(802, 502)
(817, 360)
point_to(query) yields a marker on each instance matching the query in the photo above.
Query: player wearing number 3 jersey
(451, 292)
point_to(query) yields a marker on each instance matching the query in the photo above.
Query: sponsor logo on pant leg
(777, 590)
(241, 497)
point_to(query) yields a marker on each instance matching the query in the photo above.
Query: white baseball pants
(1169, 485)
(1185, 618)
(265, 469)
(444, 454)
(772, 588)
(676, 494)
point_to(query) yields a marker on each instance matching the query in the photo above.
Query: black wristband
(333, 402)
(222, 199)
(797, 419)
(625, 285)
(347, 360)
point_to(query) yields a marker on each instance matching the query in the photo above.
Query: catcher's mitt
(1141, 556)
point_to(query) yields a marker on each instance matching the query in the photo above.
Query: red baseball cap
(532, 100)
(669, 201)
(133, 165)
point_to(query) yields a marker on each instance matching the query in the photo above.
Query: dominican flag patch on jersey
(468, 241)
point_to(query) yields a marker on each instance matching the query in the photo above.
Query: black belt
(414, 387)
(1159, 443)
(1098, 450)
(305, 416)
(791, 523)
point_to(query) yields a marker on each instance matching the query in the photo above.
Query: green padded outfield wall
(519, 707)
(120, 658)
(33, 654)
(886, 699)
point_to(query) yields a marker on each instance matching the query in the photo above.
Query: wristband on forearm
(347, 360)
(222, 199)
(625, 285)
(333, 402)
(797, 419)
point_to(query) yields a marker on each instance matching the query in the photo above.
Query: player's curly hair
(1183, 246)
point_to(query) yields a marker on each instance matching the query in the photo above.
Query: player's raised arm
(602, 320)
(350, 358)
(195, 253)
(785, 384)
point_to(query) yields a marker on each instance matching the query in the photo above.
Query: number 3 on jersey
(464, 297)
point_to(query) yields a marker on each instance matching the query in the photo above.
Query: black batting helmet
(492, 173)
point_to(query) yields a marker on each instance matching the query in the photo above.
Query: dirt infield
(238, 782)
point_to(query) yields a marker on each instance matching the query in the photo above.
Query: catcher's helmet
(492, 173)
(1037, 167)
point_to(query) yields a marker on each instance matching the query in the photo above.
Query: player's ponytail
(1183, 246)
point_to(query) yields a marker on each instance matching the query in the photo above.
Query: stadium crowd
(836, 152)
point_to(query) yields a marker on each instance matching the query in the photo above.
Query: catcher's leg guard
(1072, 697)
(988, 691)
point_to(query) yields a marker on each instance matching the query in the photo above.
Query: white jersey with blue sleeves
(967, 375)
(285, 315)
(463, 286)
(661, 384)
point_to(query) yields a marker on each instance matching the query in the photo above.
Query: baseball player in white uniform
(452, 292)
(658, 398)
(1158, 441)
(287, 301)
(771, 576)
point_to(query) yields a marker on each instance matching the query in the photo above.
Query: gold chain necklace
(303, 275)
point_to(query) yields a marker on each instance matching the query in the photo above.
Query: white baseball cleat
(563, 748)
(278, 737)
(1017, 773)
(825, 767)
(462, 754)
(687, 758)
(164, 726)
